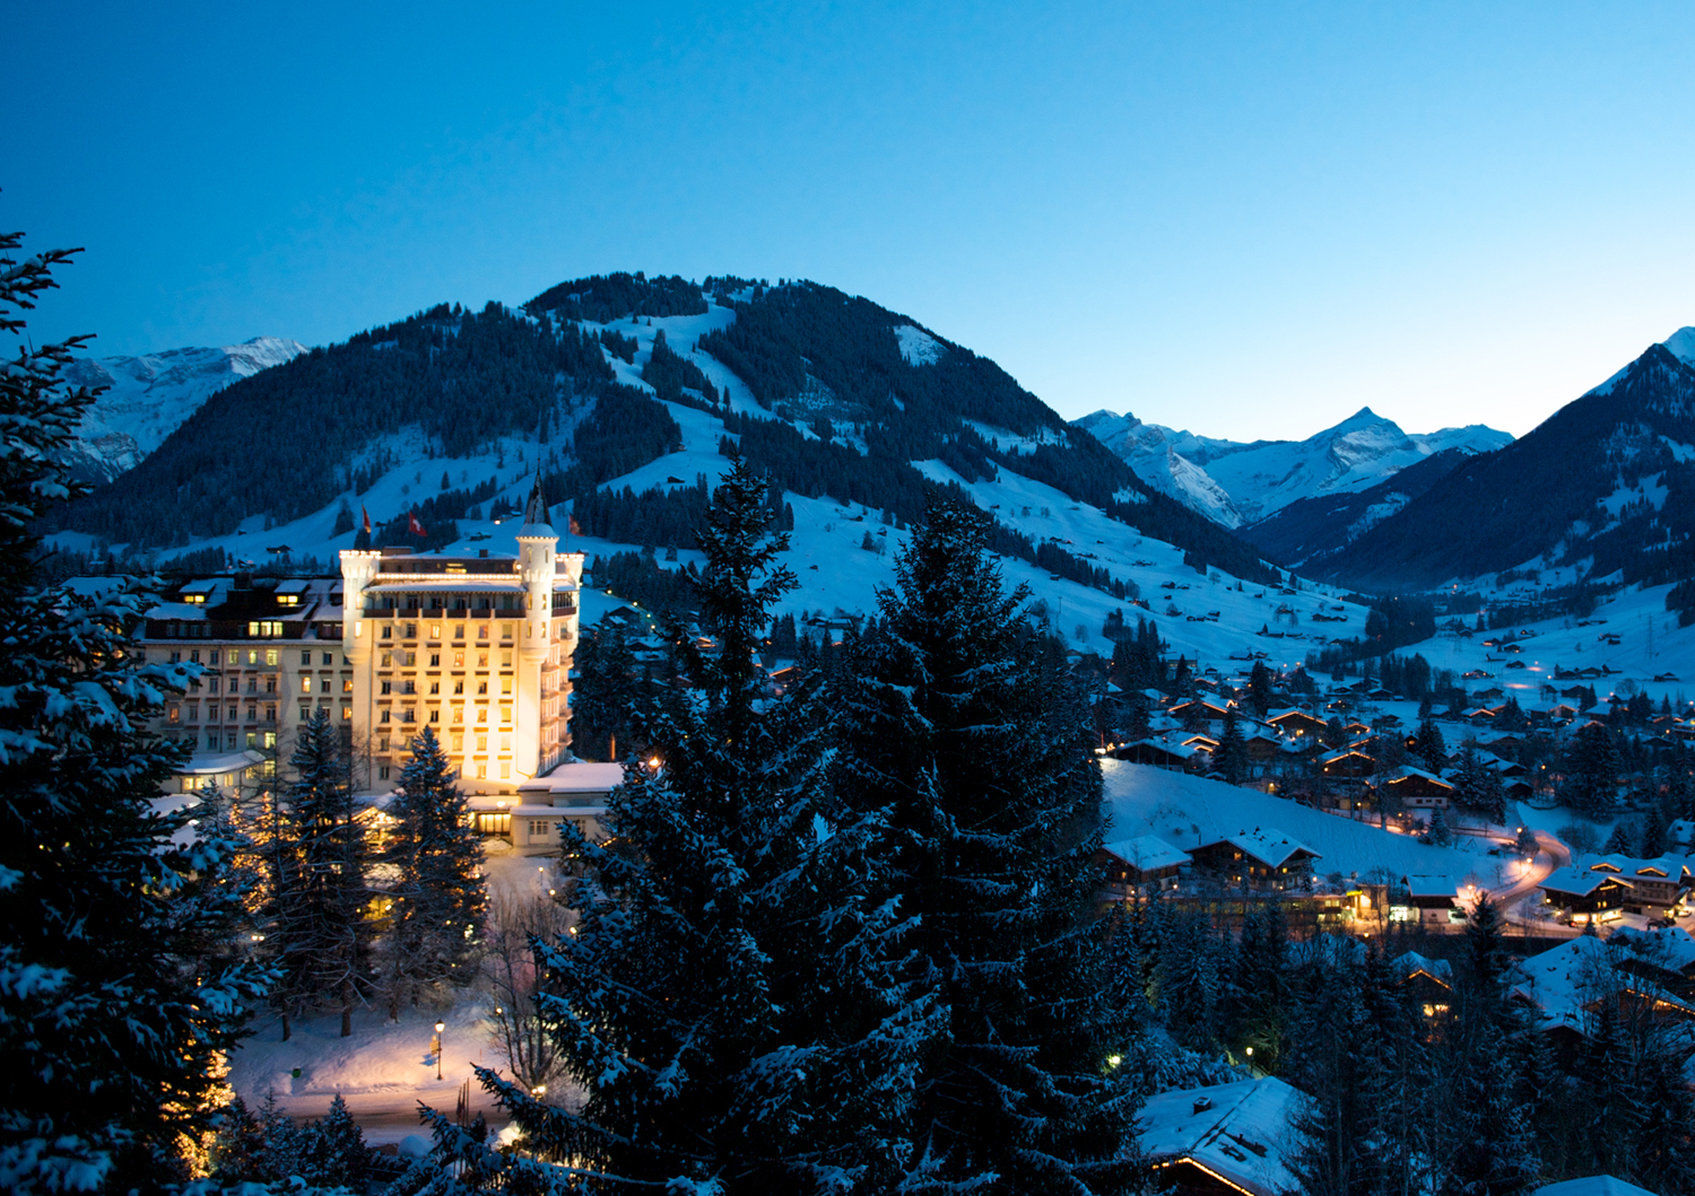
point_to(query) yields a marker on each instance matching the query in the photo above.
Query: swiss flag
(412, 524)
(575, 530)
(367, 516)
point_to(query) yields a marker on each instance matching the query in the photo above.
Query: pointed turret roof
(535, 512)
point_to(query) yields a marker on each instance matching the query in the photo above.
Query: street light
(440, 1026)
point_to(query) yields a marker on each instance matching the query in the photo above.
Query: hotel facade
(478, 649)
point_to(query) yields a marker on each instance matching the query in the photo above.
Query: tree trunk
(285, 1026)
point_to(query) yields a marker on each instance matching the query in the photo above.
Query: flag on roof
(412, 524)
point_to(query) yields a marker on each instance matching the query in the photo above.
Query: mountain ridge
(1241, 483)
(147, 396)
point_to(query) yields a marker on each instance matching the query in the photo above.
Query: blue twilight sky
(1244, 219)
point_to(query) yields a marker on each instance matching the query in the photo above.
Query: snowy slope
(1238, 483)
(148, 397)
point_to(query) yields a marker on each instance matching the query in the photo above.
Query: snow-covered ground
(385, 1068)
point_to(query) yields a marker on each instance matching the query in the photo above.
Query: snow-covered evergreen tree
(438, 891)
(1232, 749)
(966, 727)
(115, 1008)
(1490, 1148)
(320, 936)
(729, 1002)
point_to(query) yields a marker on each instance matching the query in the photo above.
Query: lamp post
(440, 1026)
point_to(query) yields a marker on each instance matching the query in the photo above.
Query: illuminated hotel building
(477, 649)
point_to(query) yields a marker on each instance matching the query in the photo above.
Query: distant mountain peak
(1681, 345)
(1236, 483)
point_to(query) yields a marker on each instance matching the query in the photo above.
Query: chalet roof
(1147, 852)
(1353, 751)
(1592, 1185)
(1293, 714)
(1268, 845)
(1668, 947)
(1579, 882)
(1430, 885)
(1411, 963)
(1564, 981)
(1180, 750)
(1409, 773)
(1663, 867)
(1239, 1131)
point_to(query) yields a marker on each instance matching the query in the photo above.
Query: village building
(1428, 900)
(576, 792)
(1584, 895)
(1297, 724)
(270, 655)
(1656, 886)
(1566, 987)
(1163, 754)
(1137, 866)
(1261, 858)
(1416, 789)
(1429, 986)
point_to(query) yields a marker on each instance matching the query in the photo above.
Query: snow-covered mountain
(629, 392)
(1241, 483)
(1598, 490)
(148, 397)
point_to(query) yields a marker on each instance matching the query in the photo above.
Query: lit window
(273, 656)
(306, 685)
(435, 631)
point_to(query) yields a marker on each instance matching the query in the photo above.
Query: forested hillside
(839, 398)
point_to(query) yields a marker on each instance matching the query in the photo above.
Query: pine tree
(439, 895)
(966, 726)
(1492, 1149)
(1232, 750)
(320, 937)
(112, 1014)
(1432, 749)
(1259, 688)
(729, 1002)
(604, 693)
